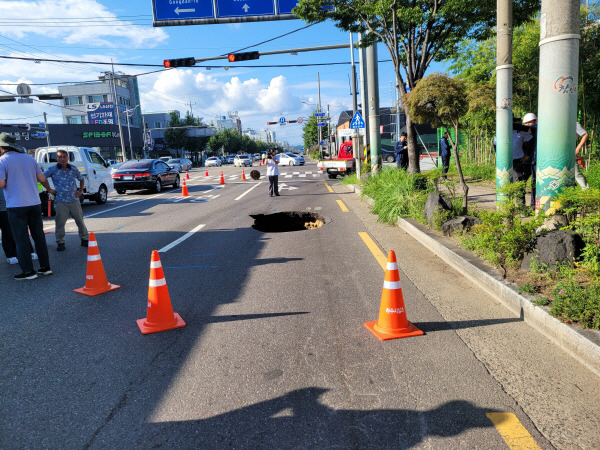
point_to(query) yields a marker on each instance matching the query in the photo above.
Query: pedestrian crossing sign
(357, 121)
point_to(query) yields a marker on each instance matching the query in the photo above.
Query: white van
(95, 171)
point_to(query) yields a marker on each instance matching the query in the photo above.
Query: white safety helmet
(529, 117)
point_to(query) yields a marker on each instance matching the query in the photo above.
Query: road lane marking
(512, 431)
(329, 187)
(168, 247)
(378, 254)
(342, 206)
(246, 192)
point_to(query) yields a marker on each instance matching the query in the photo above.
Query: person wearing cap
(19, 175)
(401, 150)
(530, 120)
(65, 178)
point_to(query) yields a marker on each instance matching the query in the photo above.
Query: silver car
(180, 164)
(213, 161)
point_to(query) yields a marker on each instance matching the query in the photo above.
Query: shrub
(576, 303)
(593, 175)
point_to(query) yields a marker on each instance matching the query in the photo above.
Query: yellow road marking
(512, 431)
(329, 187)
(342, 206)
(378, 254)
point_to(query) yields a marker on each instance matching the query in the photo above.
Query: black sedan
(144, 174)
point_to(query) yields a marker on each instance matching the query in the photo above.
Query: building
(154, 122)
(261, 135)
(229, 122)
(94, 103)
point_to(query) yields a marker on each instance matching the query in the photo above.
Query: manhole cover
(287, 221)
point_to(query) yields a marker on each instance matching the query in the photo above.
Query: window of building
(75, 119)
(97, 98)
(77, 100)
(157, 125)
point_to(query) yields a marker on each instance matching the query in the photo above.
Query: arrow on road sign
(245, 7)
(188, 10)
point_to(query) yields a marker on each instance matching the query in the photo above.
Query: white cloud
(64, 19)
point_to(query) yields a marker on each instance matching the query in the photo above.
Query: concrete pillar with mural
(557, 100)
(504, 166)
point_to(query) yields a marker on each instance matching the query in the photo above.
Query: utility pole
(374, 119)
(504, 31)
(319, 107)
(47, 129)
(557, 100)
(112, 77)
(355, 147)
(364, 90)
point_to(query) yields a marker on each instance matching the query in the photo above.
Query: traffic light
(181, 62)
(235, 57)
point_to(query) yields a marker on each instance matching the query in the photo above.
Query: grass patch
(576, 303)
(398, 194)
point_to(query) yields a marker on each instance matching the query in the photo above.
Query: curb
(581, 344)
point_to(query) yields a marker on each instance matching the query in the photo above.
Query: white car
(289, 159)
(242, 160)
(213, 161)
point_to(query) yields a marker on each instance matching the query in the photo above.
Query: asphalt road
(274, 353)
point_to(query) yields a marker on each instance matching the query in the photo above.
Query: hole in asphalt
(287, 221)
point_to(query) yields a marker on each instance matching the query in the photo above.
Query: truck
(343, 164)
(96, 173)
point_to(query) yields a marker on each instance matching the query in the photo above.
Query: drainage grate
(287, 221)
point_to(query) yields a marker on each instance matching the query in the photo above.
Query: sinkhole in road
(285, 221)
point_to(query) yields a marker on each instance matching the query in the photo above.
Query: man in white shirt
(273, 174)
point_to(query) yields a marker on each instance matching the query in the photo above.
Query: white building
(229, 122)
(93, 103)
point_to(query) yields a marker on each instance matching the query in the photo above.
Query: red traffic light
(180, 62)
(235, 57)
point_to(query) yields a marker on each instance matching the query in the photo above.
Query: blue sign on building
(182, 9)
(101, 113)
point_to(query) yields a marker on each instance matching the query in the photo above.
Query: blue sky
(68, 30)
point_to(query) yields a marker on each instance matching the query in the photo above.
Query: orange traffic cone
(260, 163)
(184, 191)
(222, 178)
(392, 323)
(159, 315)
(243, 175)
(187, 174)
(206, 173)
(95, 277)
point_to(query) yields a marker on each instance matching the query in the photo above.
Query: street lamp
(129, 114)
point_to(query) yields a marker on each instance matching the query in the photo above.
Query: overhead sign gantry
(199, 12)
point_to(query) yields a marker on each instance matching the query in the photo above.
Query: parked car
(165, 158)
(388, 155)
(242, 160)
(213, 161)
(229, 159)
(181, 164)
(115, 167)
(289, 159)
(257, 157)
(145, 174)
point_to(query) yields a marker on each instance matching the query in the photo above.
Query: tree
(310, 132)
(440, 101)
(415, 32)
(175, 137)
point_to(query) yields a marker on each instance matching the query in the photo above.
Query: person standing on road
(401, 150)
(19, 175)
(521, 162)
(64, 177)
(8, 242)
(273, 174)
(445, 153)
(530, 149)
